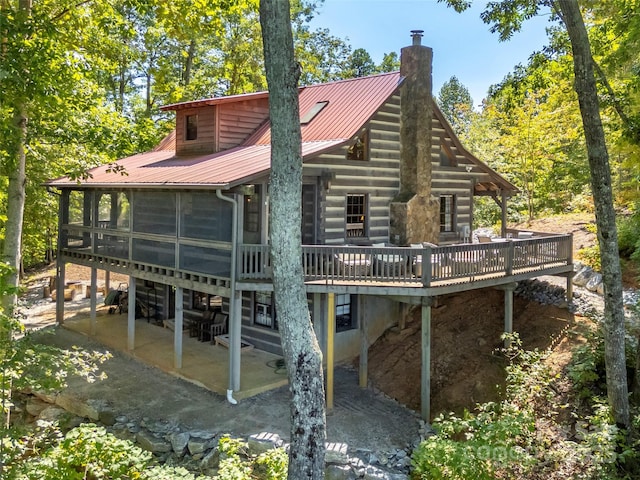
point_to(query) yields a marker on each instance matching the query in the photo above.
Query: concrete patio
(203, 363)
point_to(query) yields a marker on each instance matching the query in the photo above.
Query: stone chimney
(415, 213)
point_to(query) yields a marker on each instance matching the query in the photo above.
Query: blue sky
(462, 44)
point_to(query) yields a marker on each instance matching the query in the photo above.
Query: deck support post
(331, 328)
(93, 288)
(503, 211)
(60, 281)
(131, 314)
(235, 339)
(569, 287)
(508, 309)
(425, 381)
(364, 345)
(177, 331)
(107, 282)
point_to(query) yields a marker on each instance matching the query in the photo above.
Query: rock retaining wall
(197, 450)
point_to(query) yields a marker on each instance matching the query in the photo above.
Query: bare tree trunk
(614, 333)
(302, 354)
(191, 53)
(16, 193)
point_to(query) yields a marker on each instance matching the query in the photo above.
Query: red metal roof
(163, 169)
(351, 103)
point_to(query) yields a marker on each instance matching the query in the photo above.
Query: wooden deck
(426, 270)
(406, 271)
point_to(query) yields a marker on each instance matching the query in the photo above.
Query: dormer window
(360, 148)
(313, 112)
(191, 127)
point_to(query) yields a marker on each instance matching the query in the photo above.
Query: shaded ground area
(466, 367)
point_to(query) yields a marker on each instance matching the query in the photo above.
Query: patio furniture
(353, 265)
(196, 325)
(218, 325)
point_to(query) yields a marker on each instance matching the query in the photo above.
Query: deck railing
(409, 265)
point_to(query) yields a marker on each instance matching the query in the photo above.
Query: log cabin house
(387, 210)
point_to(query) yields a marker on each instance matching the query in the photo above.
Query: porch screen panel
(154, 252)
(210, 261)
(204, 216)
(154, 212)
(112, 245)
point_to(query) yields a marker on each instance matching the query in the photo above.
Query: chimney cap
(417, 35)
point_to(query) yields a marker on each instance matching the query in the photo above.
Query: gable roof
(350, 105)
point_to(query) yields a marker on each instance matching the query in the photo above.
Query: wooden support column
(94, 293)
(331, 329)
(425, 380)
(503, 219)
(107, 282)
(570, 287)
(60, 281)
(235, 339)
(177, 331)
(508, 309)
(364, 344)
(131, 314)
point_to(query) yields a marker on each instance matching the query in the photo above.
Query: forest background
(91, 76)
(82, 84)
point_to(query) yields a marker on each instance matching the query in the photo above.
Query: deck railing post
(509, 260)
(426, 266)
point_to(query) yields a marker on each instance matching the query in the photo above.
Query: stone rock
(52, 414)
(583, 276)
(49, 397)
(336, 453)
(197, 445)
(122, 432)
(373, 473)
(179, 442)
(594, 281)
(263, 442)
(600, 288)
(35, 406)
(107, 417)
(83, 408)
(339, 472)
(211, 460)
(148, 441)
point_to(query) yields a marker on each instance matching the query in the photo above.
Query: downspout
(234, 236)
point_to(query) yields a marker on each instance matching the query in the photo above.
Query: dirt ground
(466, 329)
(467, 367)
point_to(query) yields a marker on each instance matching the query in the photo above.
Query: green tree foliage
(360, 64)
(90, 78)
(456, 104)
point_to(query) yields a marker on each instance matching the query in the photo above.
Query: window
(360, 149)
(252, 213)
(345, 312)
(206, 301)
(447, 210)
(191, 127)
(356, 215)
(264, 310)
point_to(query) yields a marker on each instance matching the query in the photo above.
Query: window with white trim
(447, 213)
(356, 215)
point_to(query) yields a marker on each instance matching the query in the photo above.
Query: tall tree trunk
(16, 193)
(302, 354)
(191, 53)
(614, 333)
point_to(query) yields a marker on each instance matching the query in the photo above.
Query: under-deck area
(203, 363)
